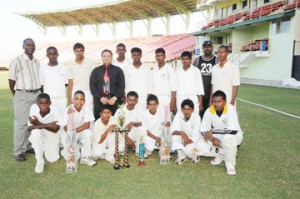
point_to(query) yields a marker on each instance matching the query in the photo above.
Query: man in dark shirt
(107, 84)
(205, 64)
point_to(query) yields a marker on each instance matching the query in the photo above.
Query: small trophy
(72, 161)
(141, 152)
(121, 129)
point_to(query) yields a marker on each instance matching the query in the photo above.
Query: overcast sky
(15, 28)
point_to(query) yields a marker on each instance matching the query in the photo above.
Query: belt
(29, 91)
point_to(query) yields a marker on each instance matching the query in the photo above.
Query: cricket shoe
(180, 161)
(218, 159)
(196, 159)
(230, 169)
(88, 161)
(39, 167)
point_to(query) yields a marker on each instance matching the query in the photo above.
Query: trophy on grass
(141, 152)
(72, 150)
(121, 129)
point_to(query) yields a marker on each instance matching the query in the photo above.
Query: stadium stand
(173, 44)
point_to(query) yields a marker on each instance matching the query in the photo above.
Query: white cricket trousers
(83, 139)
(45, 142)
(150, 144)
(229, 145)
(106, 149)
(189, 150)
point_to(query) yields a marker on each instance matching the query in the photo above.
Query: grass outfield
(268, 164)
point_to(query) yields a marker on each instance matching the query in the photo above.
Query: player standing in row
(121, 61)
(24, 84)
(205, 64)
(79, 74)
(107, 84)
(189, 83)
(138, 78)
(54, 79)
(225, 76)
(164, 82)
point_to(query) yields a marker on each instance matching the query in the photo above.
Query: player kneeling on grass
(133, 120)
(154, 124)
(44, 125)
(222, 116)
(104, 138)
(83, 117)
(185, 132)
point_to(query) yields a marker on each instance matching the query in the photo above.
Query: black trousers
(205, 102)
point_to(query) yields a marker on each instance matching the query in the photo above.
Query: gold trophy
(121, 129)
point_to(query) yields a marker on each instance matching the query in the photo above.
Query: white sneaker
(180, 161)
(230, 170)
(218, 160)
(196, 159)
(39, 167)
(88, 161)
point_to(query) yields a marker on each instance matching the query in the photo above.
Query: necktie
(106, 82)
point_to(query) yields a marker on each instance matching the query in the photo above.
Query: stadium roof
(118, 11)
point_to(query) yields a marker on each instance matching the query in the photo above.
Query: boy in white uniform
(104, 138)
(164, 81)
(82, 120)
(225, 76)
(133, 120)
(121, 61)
(44, 124)
(79, 74)
(54, 79)
(185, 132)
(189, 83)
(138, 78)
(154, 123)
(222, 115)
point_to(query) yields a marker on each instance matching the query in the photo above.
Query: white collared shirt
(135, 115)
(138, 80)
(228, 119)
(25, 73)
(100, 128)
(189, 82)
(190, 127)
(123, 65)
(163, 80)
(52, 116)
(80, 73)
(80, 117)
(225, 78)
(54, 79)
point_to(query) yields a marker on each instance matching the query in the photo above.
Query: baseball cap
(207, 42)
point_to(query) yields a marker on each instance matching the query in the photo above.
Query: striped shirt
(25, 73)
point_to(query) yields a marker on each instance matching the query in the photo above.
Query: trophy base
(141, 163)
(116, 167)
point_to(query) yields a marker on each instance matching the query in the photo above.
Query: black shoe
(30, 151)
(20, 158)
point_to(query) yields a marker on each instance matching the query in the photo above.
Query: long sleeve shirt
(117, 82)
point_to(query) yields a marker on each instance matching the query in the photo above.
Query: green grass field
(268, 164)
